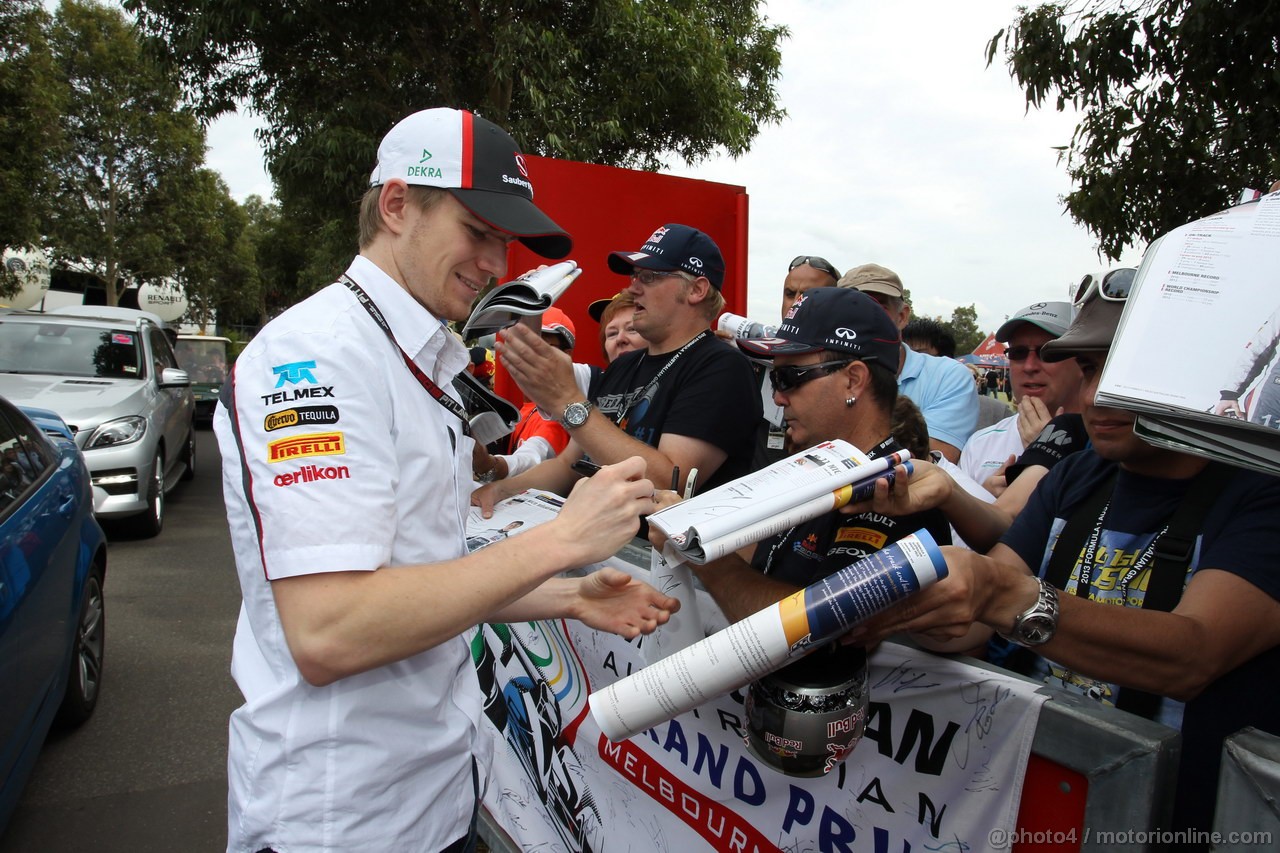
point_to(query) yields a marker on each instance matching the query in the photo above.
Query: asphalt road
(148, 771)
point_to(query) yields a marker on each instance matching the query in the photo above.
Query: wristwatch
(1035, 626)
(575, 414)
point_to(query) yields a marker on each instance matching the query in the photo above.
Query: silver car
(112, 375)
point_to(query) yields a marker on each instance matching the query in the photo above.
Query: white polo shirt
(988, 449)
(336, 459)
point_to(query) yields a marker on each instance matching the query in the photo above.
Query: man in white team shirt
(360, 728)
(1041, 389)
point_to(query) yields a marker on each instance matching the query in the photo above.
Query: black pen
(585, 467)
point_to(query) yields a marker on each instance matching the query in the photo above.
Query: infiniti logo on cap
(846, 333)
(695, 262)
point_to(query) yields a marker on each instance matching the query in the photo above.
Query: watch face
(575, 414)
(1037, 629)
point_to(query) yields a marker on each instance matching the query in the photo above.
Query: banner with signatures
(940, 766)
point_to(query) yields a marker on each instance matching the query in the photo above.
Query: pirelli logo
(301, 446)
(873, 538)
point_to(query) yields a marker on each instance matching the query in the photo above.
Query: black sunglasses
(816, 262)
(1114, 286)
(792, 376)
(1020, 353)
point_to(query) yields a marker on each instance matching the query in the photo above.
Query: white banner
(941, 763)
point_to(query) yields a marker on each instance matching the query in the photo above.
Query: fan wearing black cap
(833, 364)
(685, 402)
(348, 478)
(1146, 578)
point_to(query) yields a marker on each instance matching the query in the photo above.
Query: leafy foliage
(964, 326)
(31, 100)
(615, 82)
(1181, 103)
(130, 195)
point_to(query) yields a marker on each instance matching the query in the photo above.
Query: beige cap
(873, 278)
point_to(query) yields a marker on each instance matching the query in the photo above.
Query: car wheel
(189, 455)
(151, 521)
(84, 681)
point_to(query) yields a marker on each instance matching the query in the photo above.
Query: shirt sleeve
(310, 417)
(952, 413)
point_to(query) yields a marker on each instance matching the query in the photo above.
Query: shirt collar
(421, 334)
(911, 365)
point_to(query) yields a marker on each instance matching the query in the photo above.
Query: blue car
(53, 561)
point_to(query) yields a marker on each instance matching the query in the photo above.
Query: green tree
(964, 327)
(614, 82)
(213, 250)
(1179, 98)
(31, 100)
(128, 184)
(280, 248)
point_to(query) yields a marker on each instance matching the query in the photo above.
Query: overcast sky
(900, 147)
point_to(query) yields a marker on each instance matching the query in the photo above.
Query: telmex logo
(301, 415)
(295, 372)
(311, 444)
(847, 334)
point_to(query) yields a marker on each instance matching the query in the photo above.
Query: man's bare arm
(341, 623)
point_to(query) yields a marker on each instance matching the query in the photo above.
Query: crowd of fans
(1007, 465)
(1135, 576)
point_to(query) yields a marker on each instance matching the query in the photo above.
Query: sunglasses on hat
(1114, 286)
(792, 376)
(816, 262)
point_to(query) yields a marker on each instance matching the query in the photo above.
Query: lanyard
(1088, 559)
(639, 394)
(424, 380)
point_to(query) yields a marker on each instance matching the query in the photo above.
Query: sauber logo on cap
(311, 444)
(520, 165)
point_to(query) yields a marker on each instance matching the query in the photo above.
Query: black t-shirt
(811, 551)
(1061, 437)
(704, 390)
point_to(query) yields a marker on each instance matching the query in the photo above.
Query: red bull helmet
(807, 717)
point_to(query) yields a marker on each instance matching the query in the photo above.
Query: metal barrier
(1095, 774)
(1248, 813)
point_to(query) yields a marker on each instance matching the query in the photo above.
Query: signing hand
(603, 511)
